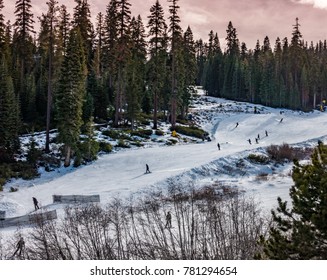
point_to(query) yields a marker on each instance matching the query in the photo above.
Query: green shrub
(89, 150)
(137, 144)
(159, 132)
(113, 134)
(78, 159)
(1, 188)
(143, 133)
(171, 141)
(105, 147)
(191, 131)
(122, 144)
(261, 159)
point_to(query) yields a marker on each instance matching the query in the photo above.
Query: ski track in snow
(121, 174)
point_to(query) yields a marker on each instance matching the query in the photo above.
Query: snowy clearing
(121, 174)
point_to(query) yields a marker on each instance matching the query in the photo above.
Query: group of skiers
(257, 138)
(249, 140)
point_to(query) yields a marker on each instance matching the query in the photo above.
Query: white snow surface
(121, 174)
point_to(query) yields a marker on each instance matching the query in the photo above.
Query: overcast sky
(253, 19)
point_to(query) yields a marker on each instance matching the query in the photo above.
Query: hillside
(121, 174)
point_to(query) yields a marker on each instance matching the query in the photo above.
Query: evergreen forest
(72, 72)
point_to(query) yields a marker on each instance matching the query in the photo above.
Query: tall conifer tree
(176, 39)
(71, 94)
(300, 232)
(157, 44)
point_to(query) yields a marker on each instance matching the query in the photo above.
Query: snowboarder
(266, 133)
(250, 141)
(147, 169)
(218, 145)
(19, 247)
(168, 220)
(36, 203)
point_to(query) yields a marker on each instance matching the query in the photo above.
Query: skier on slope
(147, 170)
(19, 247)
(168, 220)
(36, 203)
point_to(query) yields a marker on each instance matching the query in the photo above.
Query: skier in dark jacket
(147, 169)
(266, 133)
(168, 220)
(250, 141)
(36, 203)
(218, 145)
(19, 247)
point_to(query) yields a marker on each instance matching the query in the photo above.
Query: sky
(253, 19)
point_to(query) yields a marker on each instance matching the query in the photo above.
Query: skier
(147, 169)
(258, 136)
(256, 140)
(236, 125)
(19, 247)
(281, 120)
(36, 203)
(218, 145)
(266, 133)
(250, 141)
(168, 220)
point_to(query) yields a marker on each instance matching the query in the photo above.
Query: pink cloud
(253, 19)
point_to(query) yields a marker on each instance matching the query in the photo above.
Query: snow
(121, 174)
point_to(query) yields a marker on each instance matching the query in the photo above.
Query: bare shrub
(286, 153)
(207, 223)
(262, 177)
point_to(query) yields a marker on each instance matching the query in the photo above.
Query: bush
(122, 144)
(105, 147)
(262, 177)
(12, 189)
(261, 159)
(287, 153)
(171, 141)
(191, 131)
(113, 134)
(137, 144)
(89, 150)
(159, 132)
(143, 133)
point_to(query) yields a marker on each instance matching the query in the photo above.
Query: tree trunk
(67, 156)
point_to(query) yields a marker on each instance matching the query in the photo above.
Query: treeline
(288, 74)
(71, 73)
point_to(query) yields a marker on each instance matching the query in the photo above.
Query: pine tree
(136, 70)
(9, 114)
(175, 38)
(63, 29)
(23, 50)
(157, 44)
(71, 93)
(2, 25)
(190, 69)
(82, 20)
(301, 232)
(122, 51)
(110, 42)
(49, 23)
